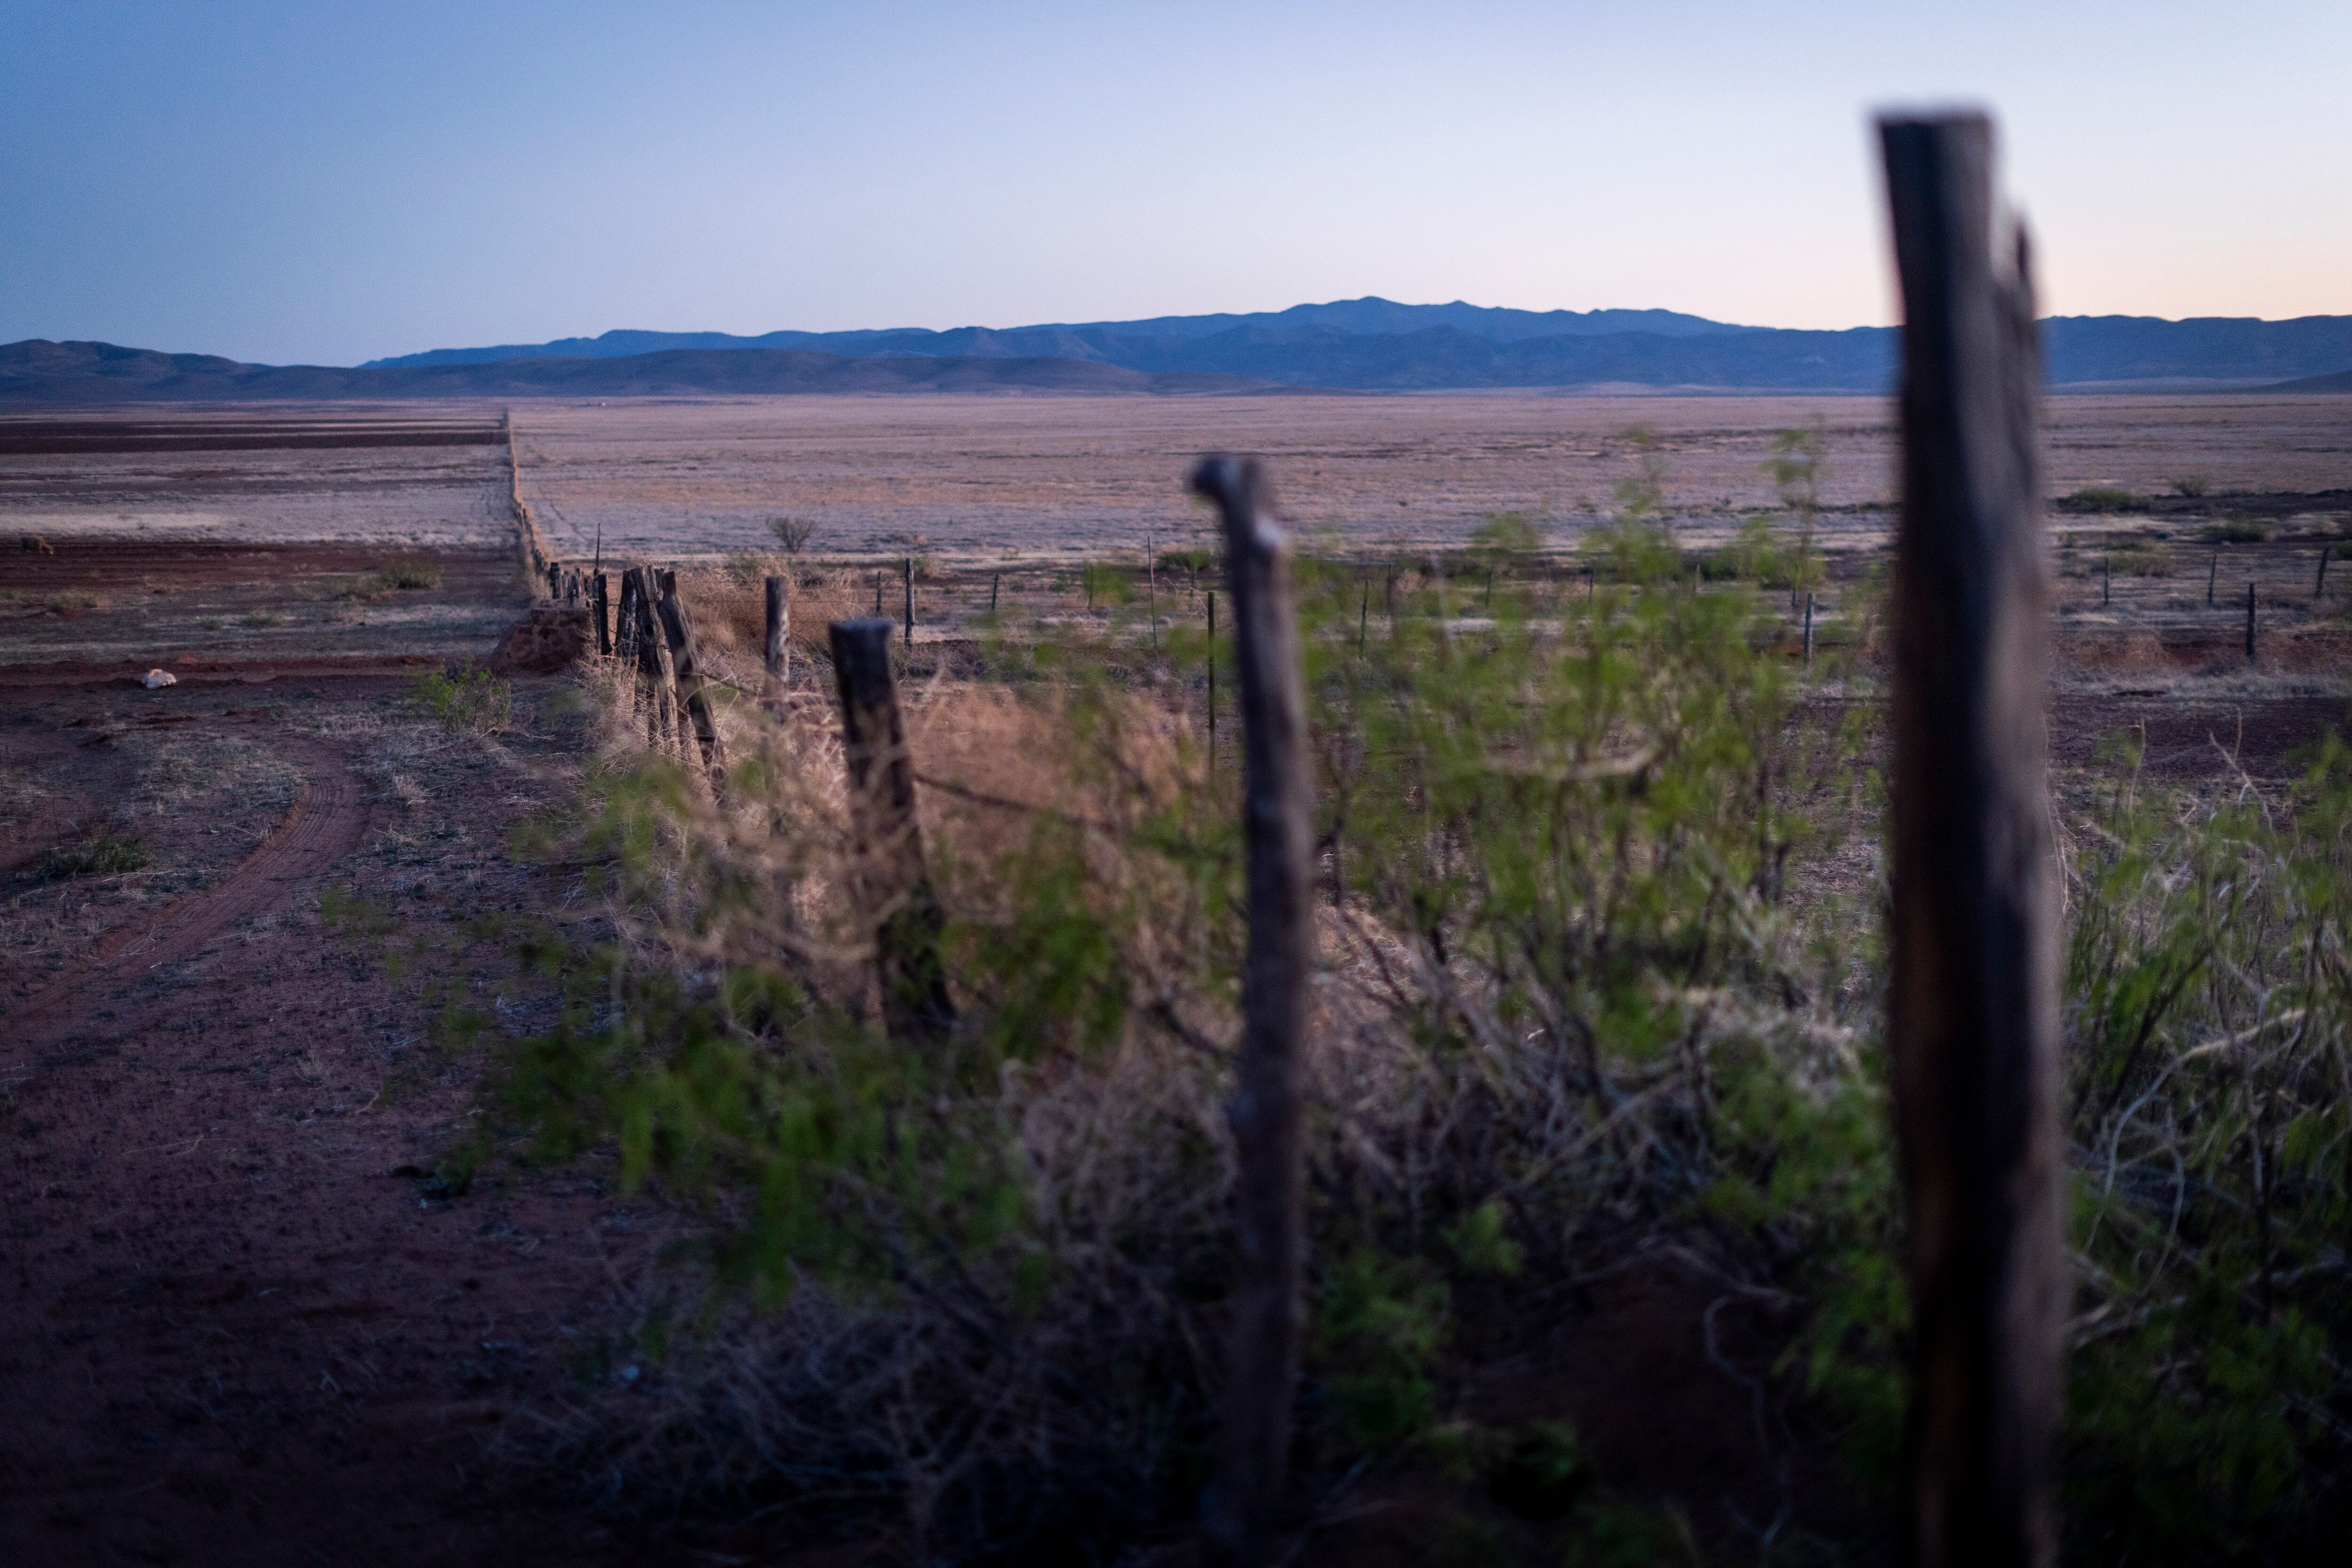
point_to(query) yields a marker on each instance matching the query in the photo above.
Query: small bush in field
(105, 856)
(792, 533)
(1106, 585)
(2100, 498)
(472, 701)
(410, 575)
(2189, 485)
(2140, 560)
(2236, 530)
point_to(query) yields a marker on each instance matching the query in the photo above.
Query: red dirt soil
(234, 1333)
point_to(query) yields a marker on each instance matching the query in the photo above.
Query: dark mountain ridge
(1370, 315)
(39, 371)
(1281, 350)
(1378, 344)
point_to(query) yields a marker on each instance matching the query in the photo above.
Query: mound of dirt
(548, 638)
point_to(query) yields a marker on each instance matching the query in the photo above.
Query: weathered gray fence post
(775, 654)
(1278, 817)
(600, 604)
(894, 884)
(625, 647)
(677, 631)
(1973, 1015)
(654, 665)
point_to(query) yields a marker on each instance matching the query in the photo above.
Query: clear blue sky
(333, 182)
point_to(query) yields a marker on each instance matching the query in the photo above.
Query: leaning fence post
(677, 631)
(775, 655)
(1973, 1014)
(894, 884)
(653, 664)
(2319, 589)
(1277, 811)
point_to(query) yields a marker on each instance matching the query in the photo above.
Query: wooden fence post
(600, 604)
(1973, 1014)
(653, 664)
(910, 569)
(894, 884)
(677, 631)
(1277, 815)
(775, 654)
(2213, 576)
(625, 638)
(1213, 682)
(2250, 619)
(1809, 629)
(995, 579)
(2319, 589)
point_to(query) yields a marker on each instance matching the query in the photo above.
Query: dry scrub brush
(1590, 994)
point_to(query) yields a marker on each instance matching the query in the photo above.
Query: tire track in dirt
(323, 825)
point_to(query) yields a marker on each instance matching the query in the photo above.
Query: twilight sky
(333, 182)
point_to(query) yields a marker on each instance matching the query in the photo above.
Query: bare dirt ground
(241, 1323)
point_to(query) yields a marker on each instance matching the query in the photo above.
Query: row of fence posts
(1972, 1012)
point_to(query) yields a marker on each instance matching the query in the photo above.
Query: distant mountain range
(1378, 346)
(39, 371)
(1369, 317)
(1370, 344)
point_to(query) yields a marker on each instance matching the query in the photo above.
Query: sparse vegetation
(410, 575)
(2192, 486)
(792, 533)
(2237, 530)
(2100, 498)
(471, 700)
(104, 855)
(1593, 980)
(2140, 559)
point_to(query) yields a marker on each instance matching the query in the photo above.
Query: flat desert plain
(978, 478)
